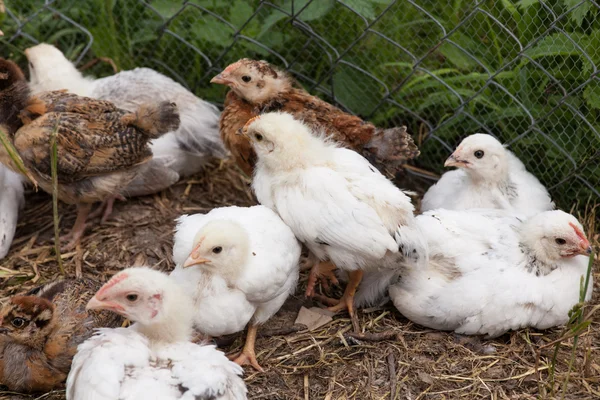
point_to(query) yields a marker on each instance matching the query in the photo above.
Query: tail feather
(155, 119)
(393, 144)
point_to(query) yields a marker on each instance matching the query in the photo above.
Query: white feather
(497, 180)
(478, 278)
(11, 201)
(267, 276)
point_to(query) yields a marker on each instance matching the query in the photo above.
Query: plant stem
(54, 171)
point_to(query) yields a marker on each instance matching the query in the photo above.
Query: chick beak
(585, 248)
(95, 304)
(194, 258)
(454, 161)
(222, 79)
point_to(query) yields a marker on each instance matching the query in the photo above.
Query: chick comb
(578, 232)
(119, 278)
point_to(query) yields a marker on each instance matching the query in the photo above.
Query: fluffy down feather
(121, 364)
(250, 279)
(488, 176)
(11, 201)
(489, 272)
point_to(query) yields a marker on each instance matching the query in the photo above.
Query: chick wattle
(180, 152)
(488, 176)
(239, 265)
(258, 87)
(153, 358)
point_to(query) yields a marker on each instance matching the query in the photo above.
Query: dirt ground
(415, 363)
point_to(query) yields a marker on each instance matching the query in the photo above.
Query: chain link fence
(524, 71)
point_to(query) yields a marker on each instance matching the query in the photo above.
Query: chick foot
(248, 355)
(324, 272)
(78, 230)
(347, 300)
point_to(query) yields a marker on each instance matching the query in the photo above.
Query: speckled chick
(40, 332)
(100, 147)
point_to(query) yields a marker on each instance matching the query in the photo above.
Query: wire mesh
(525, 72)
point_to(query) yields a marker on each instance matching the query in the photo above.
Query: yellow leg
(248, 356)
(347, 300)
(322, 271)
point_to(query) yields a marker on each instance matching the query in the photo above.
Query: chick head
(481, 156)
(554, 235)
(49, 67)
(139, 294)
(9, 74)
(220, 247)
(27, 320)
(280, 140)
(255, 81)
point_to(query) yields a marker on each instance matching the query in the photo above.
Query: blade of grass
(582, 293)
(54, 172)
(16, 158)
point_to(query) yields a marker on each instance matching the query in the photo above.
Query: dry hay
(415, 363)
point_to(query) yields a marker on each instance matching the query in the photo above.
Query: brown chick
(40, 332)
(101, 148)
(257, 87)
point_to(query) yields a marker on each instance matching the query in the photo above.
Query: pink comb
(111, 283)
(578, 232)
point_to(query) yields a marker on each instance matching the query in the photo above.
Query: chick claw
(246, 357)
(325, 273)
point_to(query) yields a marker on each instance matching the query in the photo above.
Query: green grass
(535, 51)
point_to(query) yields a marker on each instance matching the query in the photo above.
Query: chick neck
(537, 260)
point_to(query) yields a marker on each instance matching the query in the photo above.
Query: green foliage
(510, 67)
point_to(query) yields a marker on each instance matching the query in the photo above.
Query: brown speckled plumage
(40, 332)
(386, 147)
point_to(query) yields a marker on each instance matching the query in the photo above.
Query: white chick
(239, 264)
(489, 273)
(345, 211)
(154, 358)
(11, 201)
(176, 154)
(488, 176)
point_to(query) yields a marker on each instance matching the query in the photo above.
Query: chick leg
(322, 271)
(76, 233)
(248, 356)
(347, 300)
(106, 208)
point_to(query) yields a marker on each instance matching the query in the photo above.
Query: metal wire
(525, 72)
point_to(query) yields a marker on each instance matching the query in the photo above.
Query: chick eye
(258, 137)
(217, 250)
(560, 241)
(31, 65)
(18, 322)
(246, 78)
(132, 297)
(479, 153)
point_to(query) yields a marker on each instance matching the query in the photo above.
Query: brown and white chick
(154, 358)
(100, 147)
(40, 332)
(341, 207)
(258, 87)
